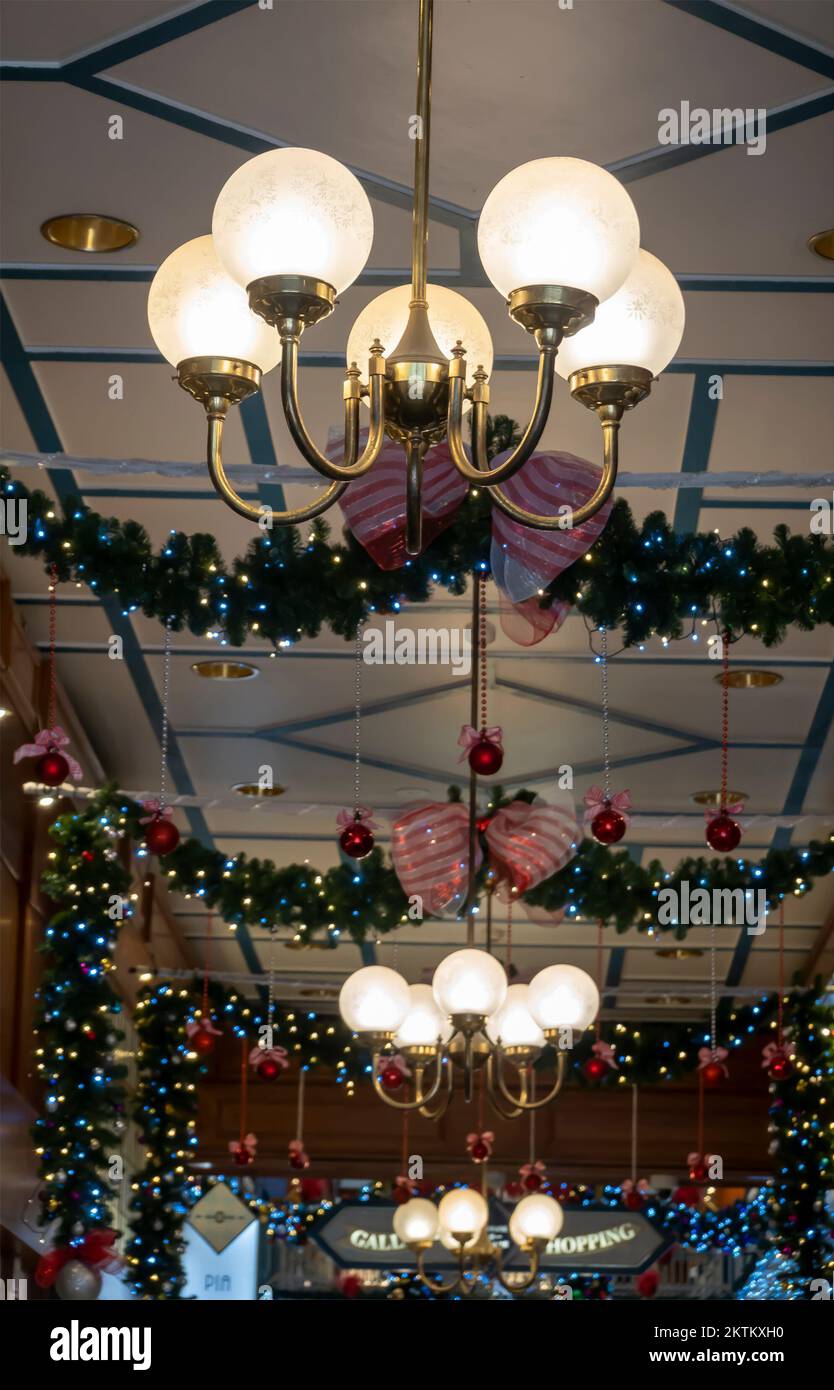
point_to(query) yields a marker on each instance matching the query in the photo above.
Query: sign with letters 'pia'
(360, 1235)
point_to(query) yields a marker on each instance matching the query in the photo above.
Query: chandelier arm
(419, 1099)
(440, 1287)
(530, 1277)
(443, 1104)
(216, 413)
(568, 522)
(344, 472)
(482, 474)
(496, 1076)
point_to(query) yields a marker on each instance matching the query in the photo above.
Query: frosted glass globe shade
(563, 996)
(639, 326)
(424, 1023)
(462, 1211)
(293, 212)
(195, 309)
(416, 1220)
(559, 221)
(537, 1217)
(513, 1023)
(469, 982)
(374, 1000)
(452, 318)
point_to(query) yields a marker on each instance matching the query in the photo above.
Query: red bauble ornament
(647, 1283)
(713, 1074)
(780, 1068)
(202, 1040)
(356, 840)
(479, 1152)
(267, 1069)
(531, 1182)
(242, 1156)
(595, 1069)
(634, 1201)
(391, 1077)
(52, 769)
(698, 1171)
(161, 836)
(485, 757)
(298, 1160)
(608, 826)
(401, 1193)
(723, 834)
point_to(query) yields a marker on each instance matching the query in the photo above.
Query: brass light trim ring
(252, 789)
(822, 244)
(712, 797)
(749, 678)
(225, 670)
(89, 232)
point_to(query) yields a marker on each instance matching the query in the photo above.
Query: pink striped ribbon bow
(45, 740)
(374, 505)
(469, 736)
(155, 810)
(529, 843)
(430, 849)
(595, 800)
(706, 1055)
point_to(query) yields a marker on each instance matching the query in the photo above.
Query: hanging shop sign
(221, 1256)
(360, 1235)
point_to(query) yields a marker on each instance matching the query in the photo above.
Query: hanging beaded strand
(356, 837)
(778, 1056)
(161, 835)
(482, 746)
(244, 1151)
(606, 812)
(724, 833)
(202, 1032)
(712, 1059)
(54, 766)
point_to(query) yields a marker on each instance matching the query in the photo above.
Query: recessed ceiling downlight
(713, 797)
(224, 670)
(89, 232)
(822, 244)
(749, 679)
(253, 789)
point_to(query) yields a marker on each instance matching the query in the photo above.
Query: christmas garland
(642, 580)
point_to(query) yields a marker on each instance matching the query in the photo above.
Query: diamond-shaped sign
(220, 1216)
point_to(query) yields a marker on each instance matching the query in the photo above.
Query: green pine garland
(643, 580)
(802, 1122)
(76, 1032)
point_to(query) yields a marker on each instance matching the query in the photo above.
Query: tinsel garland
(642, 580)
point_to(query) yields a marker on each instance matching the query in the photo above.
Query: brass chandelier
(468, 1021)
(292, 228)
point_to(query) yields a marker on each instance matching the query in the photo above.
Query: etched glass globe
(452, 319)
(563, 996)
(424, 1023)
(196, 309)
(469, 982)
(537, 1217)
(639, 326)
(416, 1221)
(462, 1211)
(559, 221)
(374, 1000)
(513, 1023)
(293, 212)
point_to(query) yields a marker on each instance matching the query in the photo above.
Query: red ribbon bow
(596, 801)
(606, 1053)
(468, 737)
(249, 1142)
(155, 810)
(771, 1051)
(712, 812)
(45, 741)
(396, 1060)
(95, 1249)
(360, 813)
(706, 1055)
(272, 1054)
(202, 1024)
(641, 1186)
(298, 1153)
